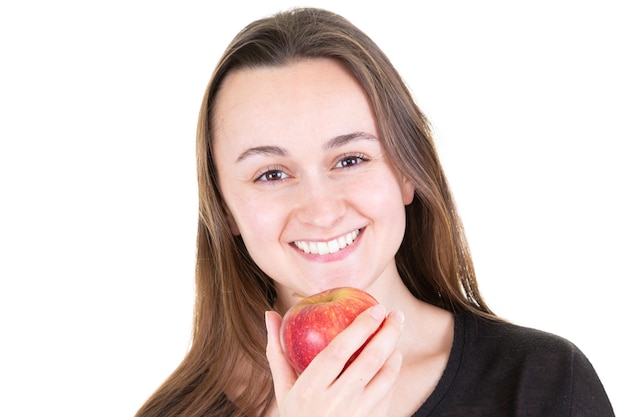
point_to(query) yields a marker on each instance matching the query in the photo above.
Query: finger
(283, 374)
(372, 360)
(380, 385)
(378, 394)
(331, 361)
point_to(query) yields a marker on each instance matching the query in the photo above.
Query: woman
(317, 170)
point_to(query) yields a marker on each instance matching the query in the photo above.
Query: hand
(363, 389)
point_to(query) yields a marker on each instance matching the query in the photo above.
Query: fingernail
(398, 315)
(378, 312)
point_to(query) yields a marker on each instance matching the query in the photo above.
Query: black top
(501, 369)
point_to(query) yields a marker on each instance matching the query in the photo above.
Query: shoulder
(513, 346)
(496, 334)
(521, 365)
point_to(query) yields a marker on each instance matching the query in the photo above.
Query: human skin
(299, 162)
(307, 185)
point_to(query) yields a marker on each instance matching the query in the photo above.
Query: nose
(321, 203)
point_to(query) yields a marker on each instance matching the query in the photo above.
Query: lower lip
(333, 257)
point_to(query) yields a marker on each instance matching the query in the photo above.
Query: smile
(324, 248)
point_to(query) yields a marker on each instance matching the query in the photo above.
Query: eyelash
(355, 159)
(275, 170)
(346, 157)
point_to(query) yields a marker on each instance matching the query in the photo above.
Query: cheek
(384, 193)
(261, 226)
(257, 220)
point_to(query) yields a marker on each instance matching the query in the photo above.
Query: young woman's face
(305, 179)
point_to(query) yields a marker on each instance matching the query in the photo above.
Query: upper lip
(327, 246)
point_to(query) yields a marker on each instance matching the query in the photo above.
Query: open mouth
(331, 246)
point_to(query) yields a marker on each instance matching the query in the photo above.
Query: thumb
(282, 373)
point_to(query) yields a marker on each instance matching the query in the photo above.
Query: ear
(234, 229)
(408, 191)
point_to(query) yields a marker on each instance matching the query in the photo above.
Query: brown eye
(348, 161)
(271, 175)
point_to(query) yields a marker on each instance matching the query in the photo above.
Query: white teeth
(333, 246)
(303, 246)
(324, 248)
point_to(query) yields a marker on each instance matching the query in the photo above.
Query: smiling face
(305, 180)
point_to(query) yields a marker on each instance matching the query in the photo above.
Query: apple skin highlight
(314, 321)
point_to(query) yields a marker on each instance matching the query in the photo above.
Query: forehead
(305, 96)
(292, 79)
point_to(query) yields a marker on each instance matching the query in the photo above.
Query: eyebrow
(341, 140)
(262, 150)
(333, 143)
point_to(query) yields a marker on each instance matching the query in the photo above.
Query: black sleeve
(500, 369)
(538, 373)
(588, 397)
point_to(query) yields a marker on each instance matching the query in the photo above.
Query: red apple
(314, 321)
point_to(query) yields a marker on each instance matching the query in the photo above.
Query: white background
(98, 105)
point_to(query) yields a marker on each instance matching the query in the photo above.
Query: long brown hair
(225, 371)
